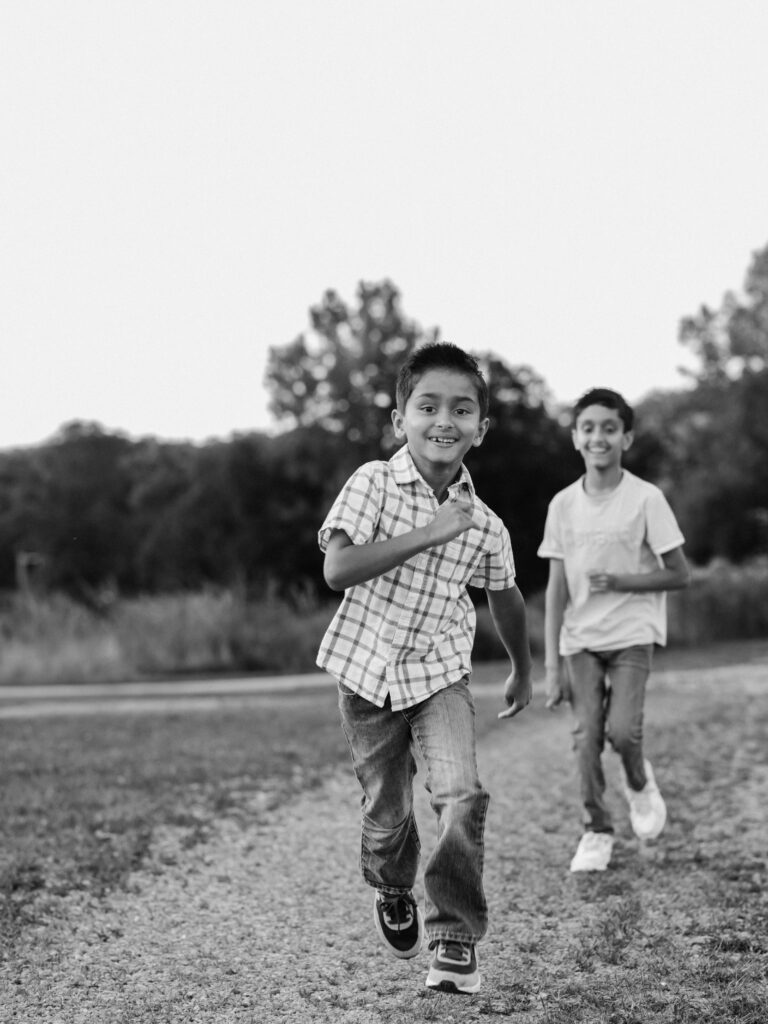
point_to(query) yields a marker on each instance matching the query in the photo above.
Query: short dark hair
(610, 400)
(440, 355)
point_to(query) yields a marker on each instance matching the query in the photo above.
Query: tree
(342, 380)
(182, 514)
(748, 327)
(525, 458)
(307, 467)
(23, 499)
(81, 526)
(709, 446)
(341, 376)
(732, 340)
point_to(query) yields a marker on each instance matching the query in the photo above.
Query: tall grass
(723, 602)
(55, 640)
(220, 631)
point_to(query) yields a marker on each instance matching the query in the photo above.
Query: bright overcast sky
(557, 182)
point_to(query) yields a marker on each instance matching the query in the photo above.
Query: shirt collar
(405, 472)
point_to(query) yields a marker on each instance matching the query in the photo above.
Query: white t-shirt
(624, 531)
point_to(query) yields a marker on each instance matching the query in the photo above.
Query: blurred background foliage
(103, 518)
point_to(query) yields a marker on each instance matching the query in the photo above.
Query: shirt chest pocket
(454, 562)
(399, 515)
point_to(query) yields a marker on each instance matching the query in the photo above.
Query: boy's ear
(482, 430)
(397, 423)
(626, 441)
(573, 438)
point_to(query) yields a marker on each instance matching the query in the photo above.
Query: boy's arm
(508, 614)
(347, 564)
(674, 576)
(554, 608)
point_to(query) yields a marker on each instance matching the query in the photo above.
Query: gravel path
(269, 920)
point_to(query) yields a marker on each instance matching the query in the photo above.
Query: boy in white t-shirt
(614, 548)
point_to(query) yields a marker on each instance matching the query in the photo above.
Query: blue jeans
(382, 745)
(607, 697)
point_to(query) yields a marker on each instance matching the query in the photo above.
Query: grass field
(83, 796)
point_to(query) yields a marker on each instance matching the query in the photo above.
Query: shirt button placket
(397, 673)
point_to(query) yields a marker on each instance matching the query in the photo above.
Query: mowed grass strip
(81, 795)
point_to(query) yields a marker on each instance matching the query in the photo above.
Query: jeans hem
(388, 890)
(449, 936)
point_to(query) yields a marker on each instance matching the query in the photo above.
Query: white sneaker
(593, 852)
(647, 810)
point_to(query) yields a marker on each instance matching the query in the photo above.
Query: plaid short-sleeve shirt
(409, 632)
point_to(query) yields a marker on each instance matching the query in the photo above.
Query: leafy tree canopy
(732, 340)
(341, 375)
(341, 378)
(708, 446)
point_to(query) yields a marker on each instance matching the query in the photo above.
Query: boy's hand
(556, 692)
(601, 582)
(452, 518)
(517, 693)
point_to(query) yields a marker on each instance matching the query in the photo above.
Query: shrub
(723, 602)
(221, 631)
(487, 645)
(55, 640)
(218, 632)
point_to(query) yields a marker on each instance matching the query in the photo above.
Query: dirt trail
(269, 921)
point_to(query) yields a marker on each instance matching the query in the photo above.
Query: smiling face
(599, 436)
(441, 422)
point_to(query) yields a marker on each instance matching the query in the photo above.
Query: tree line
(95, 513)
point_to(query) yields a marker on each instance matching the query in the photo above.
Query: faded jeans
(382, 744)
(607, 697)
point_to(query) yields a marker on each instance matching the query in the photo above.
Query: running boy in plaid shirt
(404, 539)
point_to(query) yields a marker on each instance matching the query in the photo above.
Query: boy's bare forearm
(554, 611)
(355, 563)
(658, 579)
(674, 575)
(509, 618)
(555, 602)
(347, 564)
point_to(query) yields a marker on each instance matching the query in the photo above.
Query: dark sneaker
(454, 967)
(399, 923)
